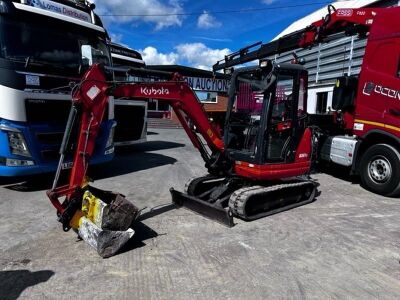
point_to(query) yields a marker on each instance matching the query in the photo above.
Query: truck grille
(49, 118)
(52, 142)
(50, 155)
(50, 137)
(130, 122)
(54, 111)
(49, 111)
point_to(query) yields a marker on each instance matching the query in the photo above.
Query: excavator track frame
(223, 198)
(283, 197)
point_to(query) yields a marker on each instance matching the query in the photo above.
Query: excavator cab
(266, 114)
(268, 149)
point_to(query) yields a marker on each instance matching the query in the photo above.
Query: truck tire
(380, 170)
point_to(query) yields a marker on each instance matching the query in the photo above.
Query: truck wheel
(380, 170)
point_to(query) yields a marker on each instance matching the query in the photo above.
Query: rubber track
(239, 198)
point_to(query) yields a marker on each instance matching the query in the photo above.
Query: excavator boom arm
(90, 98)
(185, 104)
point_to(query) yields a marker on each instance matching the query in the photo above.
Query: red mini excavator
(259, 167)
(253, 170)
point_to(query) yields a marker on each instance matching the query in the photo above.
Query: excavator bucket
(104, 220)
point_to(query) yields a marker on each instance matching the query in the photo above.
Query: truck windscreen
(56, 46)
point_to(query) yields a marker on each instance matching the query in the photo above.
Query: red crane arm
(346, 20)
(349, 20)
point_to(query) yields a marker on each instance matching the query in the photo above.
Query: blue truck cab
(45, 48)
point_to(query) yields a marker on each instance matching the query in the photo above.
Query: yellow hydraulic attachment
(104, 220)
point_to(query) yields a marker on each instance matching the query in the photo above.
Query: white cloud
(207, 21)
(206, 38)
(195, 55)
(152, 57)
(141, 9)
(199, 55)
(116, 37)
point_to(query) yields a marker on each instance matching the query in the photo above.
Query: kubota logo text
(154, 91)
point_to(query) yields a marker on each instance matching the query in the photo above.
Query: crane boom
(337, 22)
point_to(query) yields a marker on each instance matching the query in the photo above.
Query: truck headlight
(17, 143)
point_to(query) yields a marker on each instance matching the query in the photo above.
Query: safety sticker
(93, 92)
(358, 126)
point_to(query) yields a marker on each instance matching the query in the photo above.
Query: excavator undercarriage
(223, 198)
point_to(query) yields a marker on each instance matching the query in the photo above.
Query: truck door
(392, 102)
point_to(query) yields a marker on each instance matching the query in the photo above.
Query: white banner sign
(60, 9)
(208, 84)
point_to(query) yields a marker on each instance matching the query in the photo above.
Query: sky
(197, 33)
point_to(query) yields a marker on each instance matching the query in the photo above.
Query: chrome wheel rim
(380, 169)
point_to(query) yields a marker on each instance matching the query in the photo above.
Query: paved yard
(345, 245)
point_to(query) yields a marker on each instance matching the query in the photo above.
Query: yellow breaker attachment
(104, 220)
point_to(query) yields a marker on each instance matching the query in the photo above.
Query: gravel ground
(345, 245)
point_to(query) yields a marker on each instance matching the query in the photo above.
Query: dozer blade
(203, 208)
(104, 220)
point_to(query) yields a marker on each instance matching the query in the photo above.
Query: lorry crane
(363, 132)
(260, 165)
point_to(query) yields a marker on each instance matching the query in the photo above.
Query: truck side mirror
(344, 92)
(87, 55)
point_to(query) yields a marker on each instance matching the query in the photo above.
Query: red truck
(363, 131)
